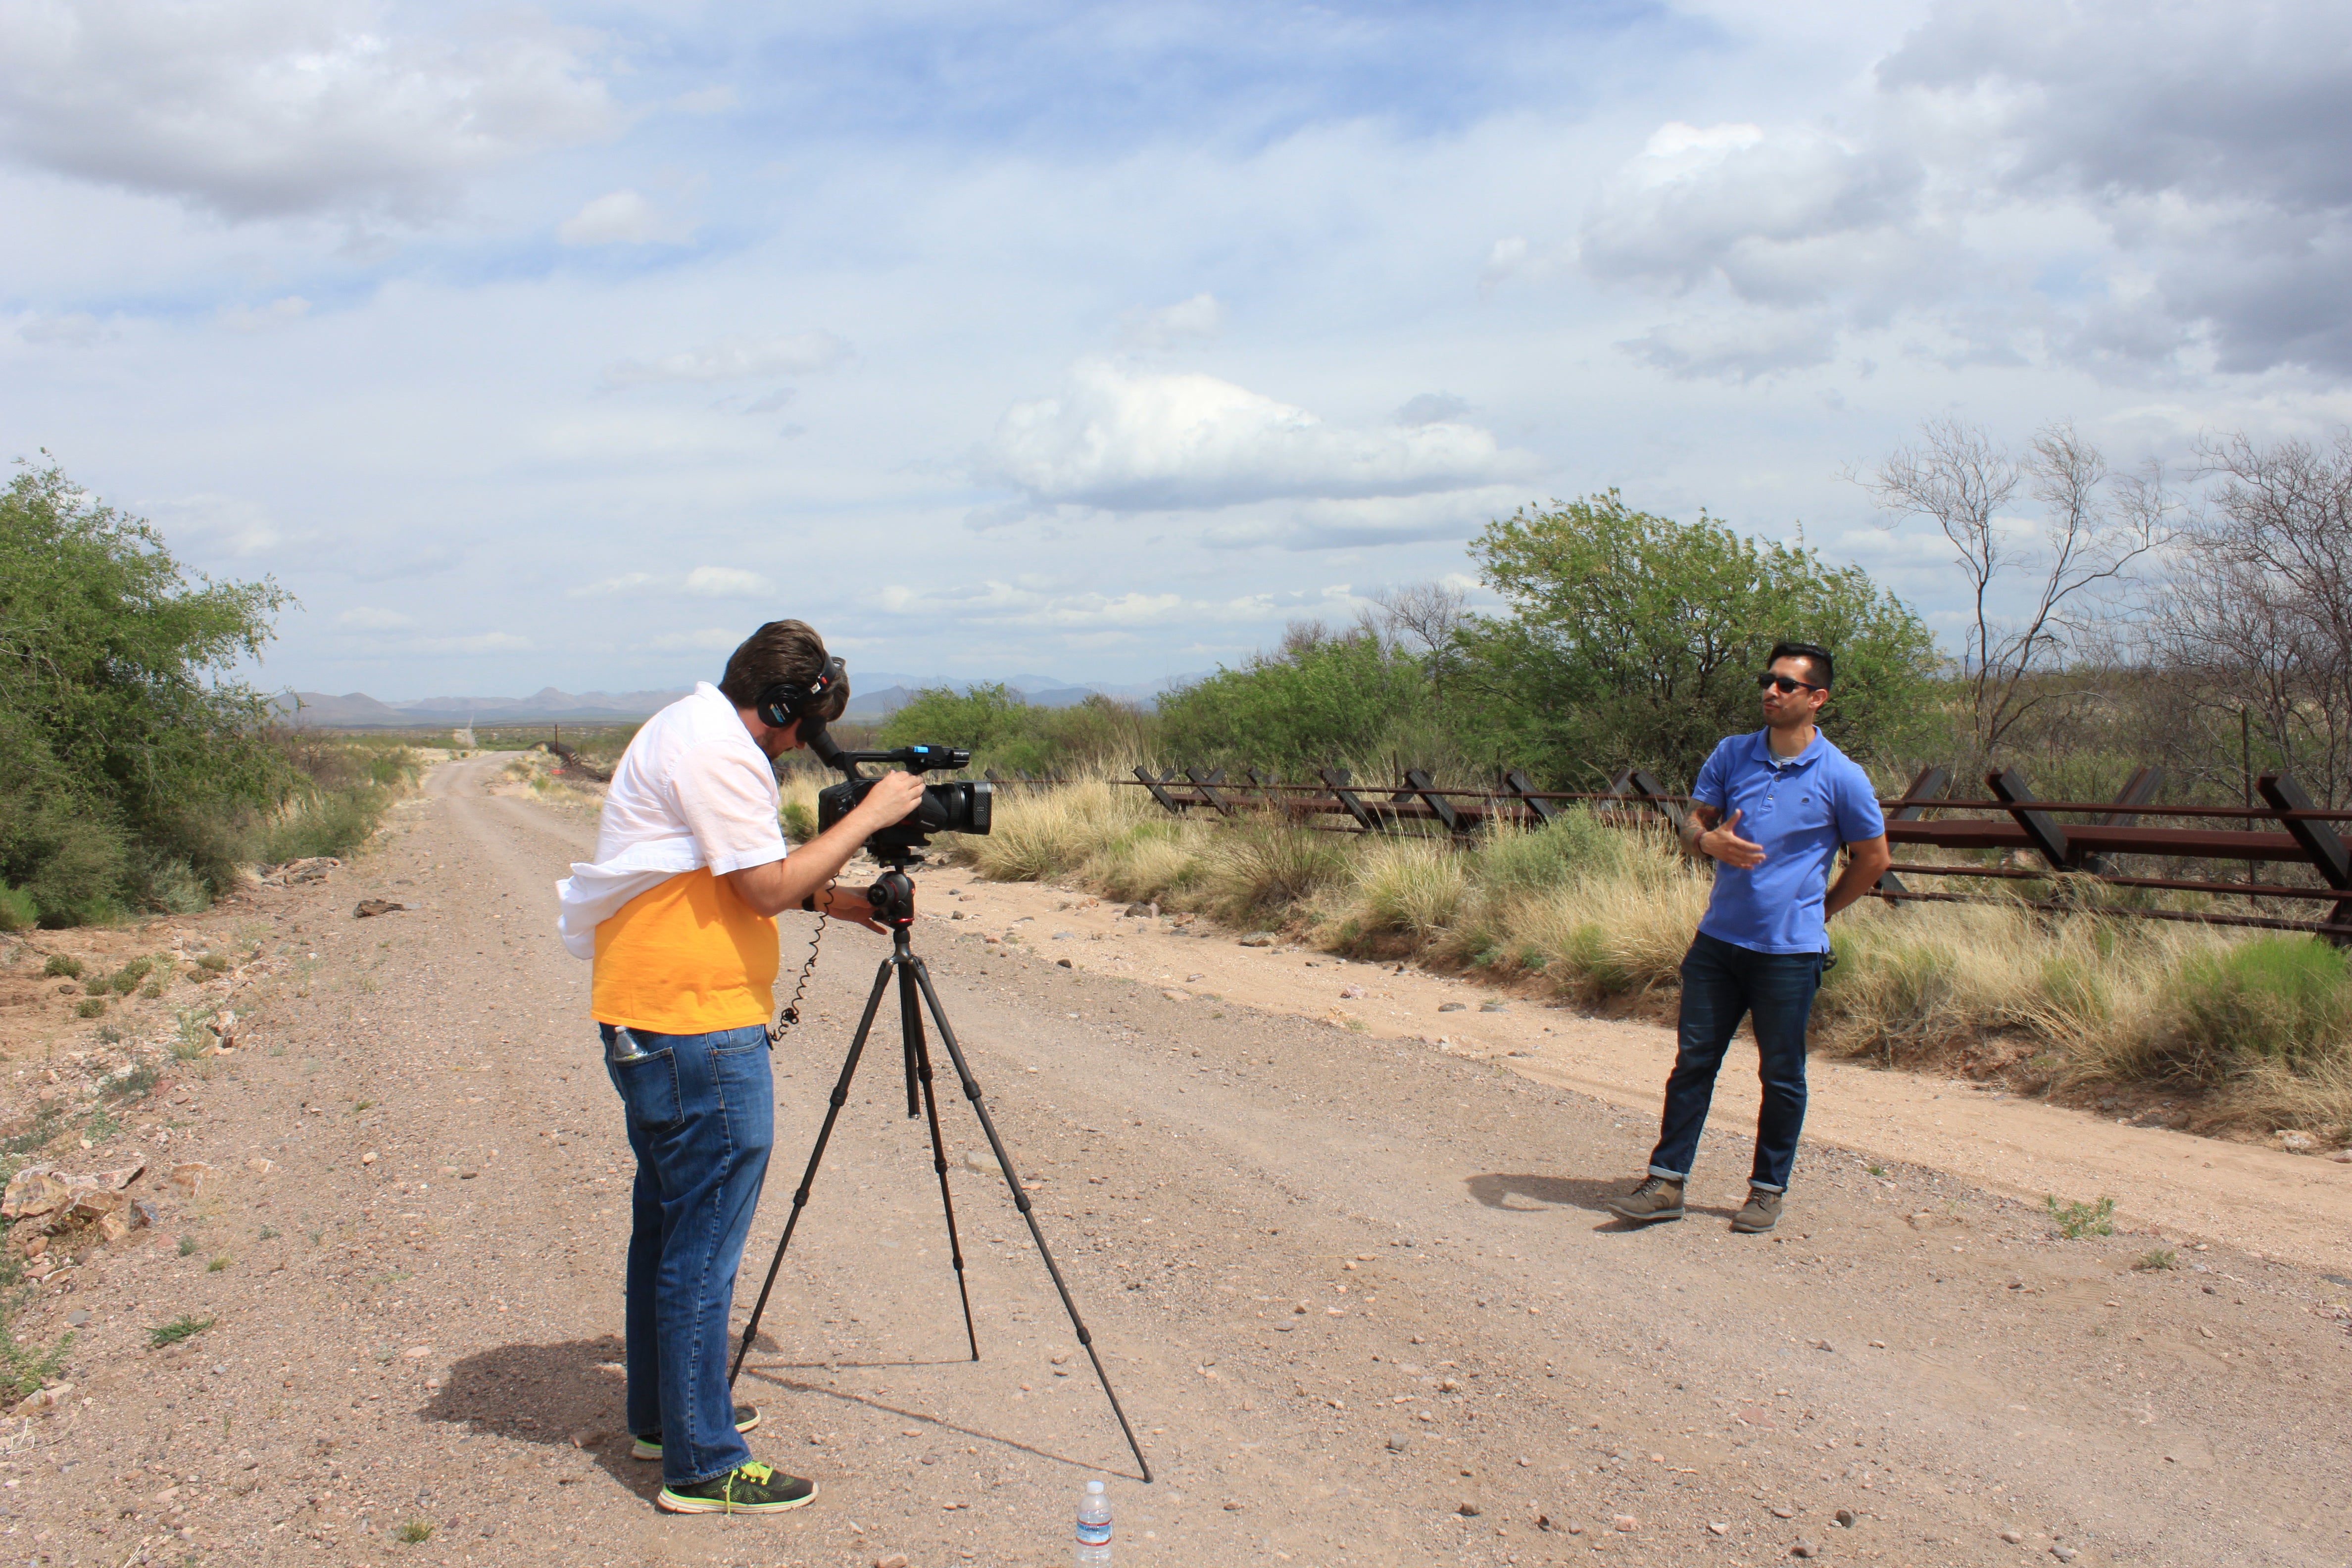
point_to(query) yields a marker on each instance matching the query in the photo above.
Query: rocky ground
(1355, 1291)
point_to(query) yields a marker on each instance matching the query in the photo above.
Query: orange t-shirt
(684, 957)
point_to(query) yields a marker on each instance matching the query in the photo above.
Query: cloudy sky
(562, 344)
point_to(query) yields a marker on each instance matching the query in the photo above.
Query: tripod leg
(808, 1177)
(912, 1017)
(1021, 1200)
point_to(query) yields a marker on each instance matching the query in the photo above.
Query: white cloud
(478, 642)
(1131, 441)
(728, 582)
(733, 359)
(627, 582)
(270, 108)
(1196, 319)
(71, 329)
(2136, 191)
(1738, 348)
(707, 639)
(623, 217)
(1046, 605)
(1373, 521)
(716, 99)
(1432, 408)
(1784, 218)
(367, 618)
(254, 319)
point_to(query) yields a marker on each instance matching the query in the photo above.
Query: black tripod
(893, 899)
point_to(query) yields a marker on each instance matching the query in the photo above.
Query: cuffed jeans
(702, 1117)
(1721, 982)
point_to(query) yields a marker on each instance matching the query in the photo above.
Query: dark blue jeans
(1720, 982)
(702, 1116)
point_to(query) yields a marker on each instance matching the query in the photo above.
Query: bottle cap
(1094, 1486)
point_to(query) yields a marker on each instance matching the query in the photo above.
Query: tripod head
(892, 897)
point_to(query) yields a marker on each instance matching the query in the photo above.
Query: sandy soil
(1356, 1291)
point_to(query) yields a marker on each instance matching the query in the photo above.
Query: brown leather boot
(1657, 1198)
(1761, 1212)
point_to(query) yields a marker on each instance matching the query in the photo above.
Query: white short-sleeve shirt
(693, 790)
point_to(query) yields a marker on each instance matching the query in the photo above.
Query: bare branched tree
(2034, 597)
(2259, 613)
(1423, 617)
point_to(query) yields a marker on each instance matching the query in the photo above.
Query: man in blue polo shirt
(1771, 809)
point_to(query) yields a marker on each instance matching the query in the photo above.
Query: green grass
(415, 1533)
(2076, 1220)
(216, 1265)
(178, 1329)
(36, 1136)
(89, 1006)
(2288, 999)
(2161, 1258)
(187, 1247)
(18, 908)
(62, 965)
(24, 1368)
(136, 1084)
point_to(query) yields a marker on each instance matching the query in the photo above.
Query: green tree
(126, 748)
(1634, 640)
(1003, 731)
(1352, 700)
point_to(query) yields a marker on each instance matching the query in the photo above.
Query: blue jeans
(702, 1117)
(1720, 982)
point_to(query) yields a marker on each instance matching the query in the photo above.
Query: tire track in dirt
(1475, 1333)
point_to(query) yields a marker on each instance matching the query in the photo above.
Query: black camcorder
(960, 805)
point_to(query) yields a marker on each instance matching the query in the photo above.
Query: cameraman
(1770, 808)
(677, 913)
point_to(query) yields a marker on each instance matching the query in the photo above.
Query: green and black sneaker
(648, 1444)
(746, 1488)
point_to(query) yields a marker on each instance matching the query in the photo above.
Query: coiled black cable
(790, 1016)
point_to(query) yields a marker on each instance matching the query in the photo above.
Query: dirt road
(1356, 1292)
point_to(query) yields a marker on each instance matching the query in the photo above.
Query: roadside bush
(2287, 999)
(125, 745)
(18, 910)
(1257, 872)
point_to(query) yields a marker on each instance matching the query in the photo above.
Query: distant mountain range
(873, 695)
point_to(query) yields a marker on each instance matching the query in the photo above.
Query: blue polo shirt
(1800, 809)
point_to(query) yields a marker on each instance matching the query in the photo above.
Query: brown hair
(781, 652)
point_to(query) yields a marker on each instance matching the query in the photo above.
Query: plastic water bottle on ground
(1093, 1528)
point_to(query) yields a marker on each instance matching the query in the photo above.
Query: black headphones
(783, 702)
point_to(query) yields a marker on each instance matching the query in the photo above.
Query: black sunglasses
(1785, 684)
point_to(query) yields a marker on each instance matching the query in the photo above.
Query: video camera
(961, 806)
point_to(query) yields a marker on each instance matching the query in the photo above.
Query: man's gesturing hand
(1726, 845)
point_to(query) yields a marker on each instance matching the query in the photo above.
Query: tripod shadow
(768, 1375)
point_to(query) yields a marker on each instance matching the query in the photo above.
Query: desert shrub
(1260, 872)
(62, 964)
(123, 740)
(1154, 861)
(1414, 885)
(1573, 846)
(2286, 999)
(1040, 834)
(18, 908)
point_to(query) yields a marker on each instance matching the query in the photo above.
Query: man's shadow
(544, 1395)
(1533, 1194)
